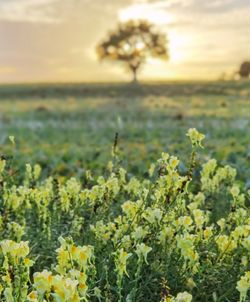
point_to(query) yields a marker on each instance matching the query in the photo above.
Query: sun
(179, 43)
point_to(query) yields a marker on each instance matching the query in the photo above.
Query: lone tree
(132, 43)
(244, 71)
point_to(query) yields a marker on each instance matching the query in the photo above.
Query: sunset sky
(54, 40)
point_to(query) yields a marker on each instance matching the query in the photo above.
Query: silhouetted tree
(132, 43)
(244, 71)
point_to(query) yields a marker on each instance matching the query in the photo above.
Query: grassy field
(70, 128)
(142, 226)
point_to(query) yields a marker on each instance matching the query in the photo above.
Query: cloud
(166, 3)
(40, 11)
(213, 14)
(197, 5)
(219, 3)
(145, 11)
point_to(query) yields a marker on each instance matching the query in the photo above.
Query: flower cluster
(120, 236)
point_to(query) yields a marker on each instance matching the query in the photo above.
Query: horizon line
(171, 81)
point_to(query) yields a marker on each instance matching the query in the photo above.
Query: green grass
(70, 128)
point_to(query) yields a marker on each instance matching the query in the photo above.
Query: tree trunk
(134, 71)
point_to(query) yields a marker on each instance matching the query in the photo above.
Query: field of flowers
(163, 218)
(116, 238)
(68, 129)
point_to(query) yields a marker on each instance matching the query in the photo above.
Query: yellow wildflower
(243, 286)
(142, 251)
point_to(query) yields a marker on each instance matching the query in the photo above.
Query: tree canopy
(132, 43)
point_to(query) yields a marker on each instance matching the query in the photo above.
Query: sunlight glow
(178, 42)
(145, 11)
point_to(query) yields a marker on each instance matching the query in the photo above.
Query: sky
(55, 40)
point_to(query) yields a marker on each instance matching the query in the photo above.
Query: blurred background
(55, 40)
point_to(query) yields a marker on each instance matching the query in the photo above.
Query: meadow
(108, 193)
(71, 128)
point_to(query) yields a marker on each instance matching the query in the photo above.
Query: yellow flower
(244, 261)
(238, 233)
(43, 281)
(173, 162)
(82, 287)
(235, 191)
(195, 137)
(246, 243)
(22, 249)
(243, 286)
(7, 278)
(185, 221)
(129, 208)
(12, 139)
(186, 244)
(221, 223)
(28, 262)
(63, 257)
(19, 250)
(81, 277)
(208, 232)
(142, 251)
(166, 234)
(7, 246)
(183, 297)
(199, 217)
(33, 296)
(139, 233)
(68, 252)
(8, 295)
(121, 261)
(225, 244)
(65, 289)
(37, 171)
(152, 215)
